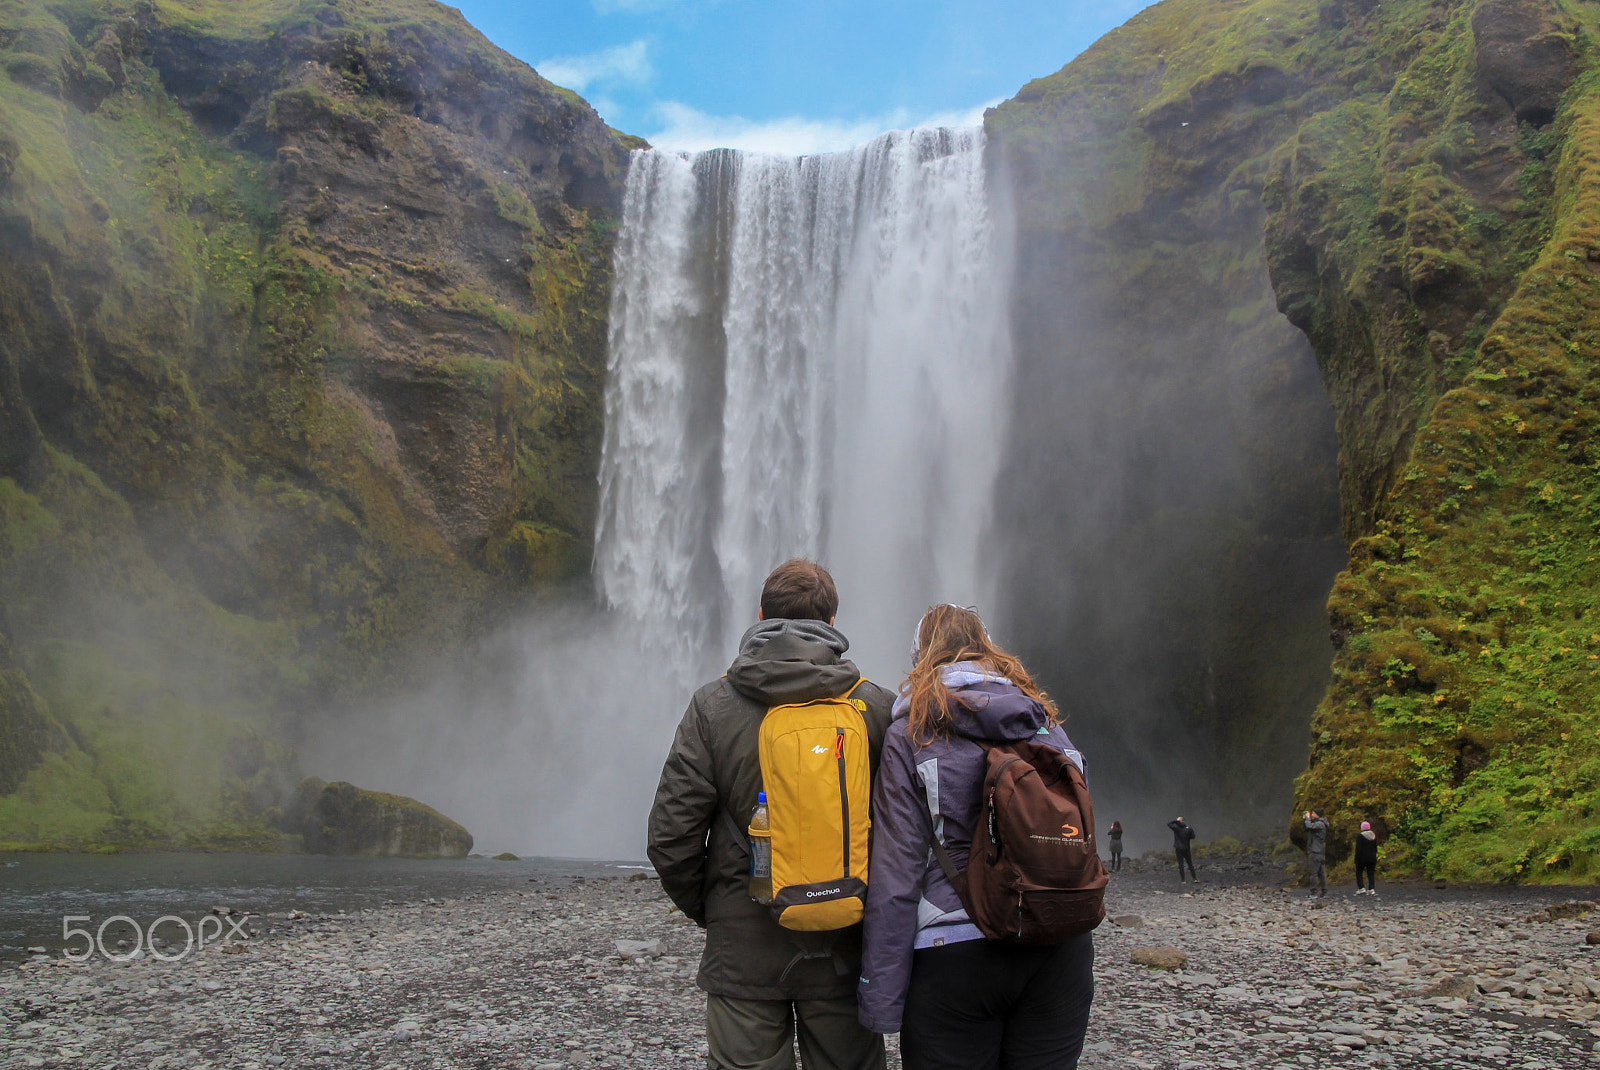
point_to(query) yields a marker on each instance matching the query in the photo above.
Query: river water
(38, 891)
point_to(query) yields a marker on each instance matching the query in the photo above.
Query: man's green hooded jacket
(704, 802)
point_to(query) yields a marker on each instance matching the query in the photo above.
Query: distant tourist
(958, 999)
(1367, 860)
(763, 982)
(1317, 852)
(1182, 837)
(1114, 837)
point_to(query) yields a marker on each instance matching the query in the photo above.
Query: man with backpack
(766, 983)
(1182, 837)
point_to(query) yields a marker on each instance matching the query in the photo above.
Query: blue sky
(797, 77)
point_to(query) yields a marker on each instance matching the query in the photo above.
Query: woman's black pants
(981, 1005)
(1369, 871)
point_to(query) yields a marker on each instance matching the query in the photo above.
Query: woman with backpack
(961, 1001)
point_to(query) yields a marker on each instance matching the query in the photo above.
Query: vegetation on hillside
(236, 384)
(1422, 175)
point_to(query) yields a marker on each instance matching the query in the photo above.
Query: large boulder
(342, 819)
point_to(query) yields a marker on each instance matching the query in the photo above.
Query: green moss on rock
(343, 819)
(1423, 175)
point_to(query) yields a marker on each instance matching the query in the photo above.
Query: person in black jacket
(1182, 837)
(1367, 860)
(1114, 838)
(1316, 852)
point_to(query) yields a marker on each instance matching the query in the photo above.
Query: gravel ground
(531, 978)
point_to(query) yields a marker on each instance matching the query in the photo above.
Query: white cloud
(621, 64)
(687, 130)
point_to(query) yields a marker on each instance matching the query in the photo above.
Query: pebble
(1414, 977)
(537, 977)
(1159, 958)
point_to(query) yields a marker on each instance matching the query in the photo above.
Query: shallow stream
(39, 891)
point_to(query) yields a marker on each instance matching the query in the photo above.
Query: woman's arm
(894, 884)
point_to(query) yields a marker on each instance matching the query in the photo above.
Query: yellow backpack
(817, 773)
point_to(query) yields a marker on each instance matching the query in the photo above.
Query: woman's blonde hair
(948, 634)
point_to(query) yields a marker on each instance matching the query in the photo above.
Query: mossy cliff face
(1172, 471)
(1421, 177)
(301, 334)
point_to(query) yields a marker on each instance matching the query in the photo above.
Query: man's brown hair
(799, 590)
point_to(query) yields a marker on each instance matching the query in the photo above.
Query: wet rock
(342, 819)
(1574, 908)
(1159, 958)
(1453, 987)
(1127, 921)
(1592, 938)
(627, 950)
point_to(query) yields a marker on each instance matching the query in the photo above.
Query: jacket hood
(986, 706)
(1369, 834)
(784, 661)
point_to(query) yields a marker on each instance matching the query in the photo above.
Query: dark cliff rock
(1416, 180)
(1171, 481)
(1526, 56)
(302, 329)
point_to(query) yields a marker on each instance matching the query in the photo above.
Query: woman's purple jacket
(910, 902)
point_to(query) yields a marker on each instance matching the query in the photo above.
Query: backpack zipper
(844, 796)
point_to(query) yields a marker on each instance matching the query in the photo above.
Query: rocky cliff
(1417, 181)
(302, 326)
(302, 317)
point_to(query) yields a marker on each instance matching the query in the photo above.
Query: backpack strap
(740, 840)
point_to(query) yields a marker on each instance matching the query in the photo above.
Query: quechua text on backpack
(816, 769)
(1034, 874)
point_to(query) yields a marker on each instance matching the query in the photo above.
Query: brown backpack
(1034, 875)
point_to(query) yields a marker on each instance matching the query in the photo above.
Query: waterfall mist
(1172, 519)
(808, 357)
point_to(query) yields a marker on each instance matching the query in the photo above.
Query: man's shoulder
(874, 694)
(720, 695)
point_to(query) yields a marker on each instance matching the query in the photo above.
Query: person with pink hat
(1366, 860)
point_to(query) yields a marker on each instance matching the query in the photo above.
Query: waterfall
(808, 357)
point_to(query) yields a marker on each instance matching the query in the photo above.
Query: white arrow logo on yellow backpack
(819, 749)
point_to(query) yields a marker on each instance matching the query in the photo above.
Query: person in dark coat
(1317, 852)
(763, 983)
(1367, 860)
(1114, 838)
(959, 1000)
(1182, 837)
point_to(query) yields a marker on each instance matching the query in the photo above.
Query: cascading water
(808, 357)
